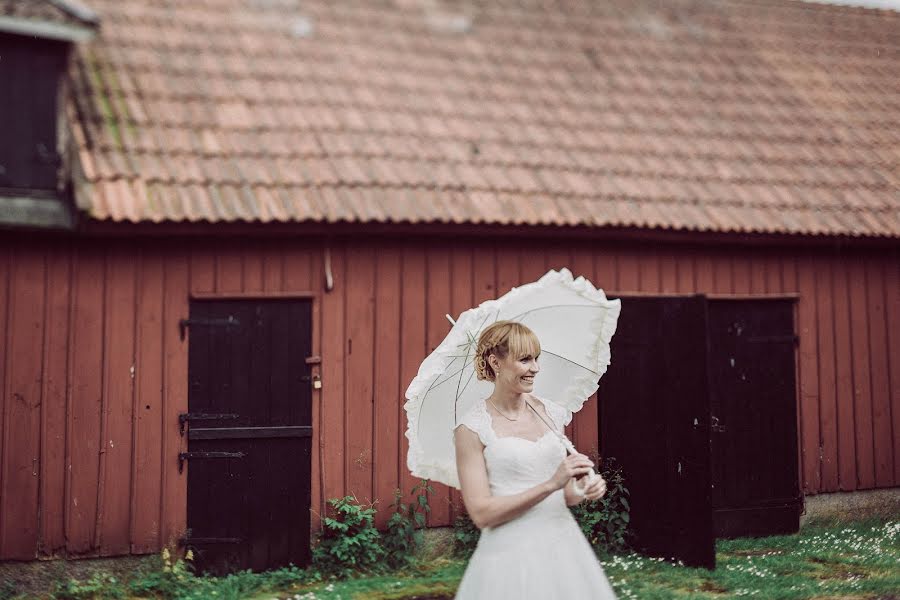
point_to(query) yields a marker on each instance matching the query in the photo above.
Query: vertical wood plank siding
(94, 373)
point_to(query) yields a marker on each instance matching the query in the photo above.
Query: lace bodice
(515, 464)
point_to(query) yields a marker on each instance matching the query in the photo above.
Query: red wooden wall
(94, 373)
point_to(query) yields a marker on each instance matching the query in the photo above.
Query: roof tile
(540, 115)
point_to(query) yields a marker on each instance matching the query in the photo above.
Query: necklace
(501, 412)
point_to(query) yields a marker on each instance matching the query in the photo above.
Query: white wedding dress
(542, 553)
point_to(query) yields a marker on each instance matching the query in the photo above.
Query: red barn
(249, 219)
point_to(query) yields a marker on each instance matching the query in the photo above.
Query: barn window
(35, 43)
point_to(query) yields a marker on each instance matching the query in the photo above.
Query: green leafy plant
(99, 586)
(403, 534)
(605, 522)
(465, 536)
(167, 578)
(349, 541)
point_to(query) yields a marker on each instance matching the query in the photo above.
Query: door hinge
(183, 456)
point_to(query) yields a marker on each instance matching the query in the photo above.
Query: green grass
(856, 560)
(824, 562)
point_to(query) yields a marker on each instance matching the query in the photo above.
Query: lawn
(826, 561)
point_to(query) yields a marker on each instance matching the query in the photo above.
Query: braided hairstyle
(500, 339)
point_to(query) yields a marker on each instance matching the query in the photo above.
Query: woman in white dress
(517, 482)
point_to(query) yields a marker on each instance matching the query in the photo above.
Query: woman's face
(516, 375)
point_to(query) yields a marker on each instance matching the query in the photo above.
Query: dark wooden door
(654, 420)
(756, 488)
(249, 434)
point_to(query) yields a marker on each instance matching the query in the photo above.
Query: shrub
(465, 536)
(349, 541)
(403, 534)
(605, 521)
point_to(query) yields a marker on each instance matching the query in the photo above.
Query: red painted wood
(606, 269)
(85, 377)
(114, 514)
(6, 291)
(53, 414)
(848, 324)
(722, 273)
(22, 398)
(786, 281)
(332, 392)
(828, 436)
(229, 269)
(202, 269)
(880, 374)
(892, 316)
(389, 423)
(438, 305)
(846, 427)
(742, 272)
(703, 274)
(669, 262)
(317, 498)
(559, 256)
(360, 346)
(298, 268)
(533, 263)
(175, 396)
(862, 368)
(148, 409)
(808, 375)
(413, 342)
(272, 267)
(253, 268)
(685, 278)
(649, 270)
(628, 271)
(484, 274)
(774, 280)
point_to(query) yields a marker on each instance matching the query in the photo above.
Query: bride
(516, 482)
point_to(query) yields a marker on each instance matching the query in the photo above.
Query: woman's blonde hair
(501, 339)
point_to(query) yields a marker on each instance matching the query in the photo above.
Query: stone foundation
(851, 506)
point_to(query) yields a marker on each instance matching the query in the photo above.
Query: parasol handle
(585, 481)
(582, 484)
(449, 318)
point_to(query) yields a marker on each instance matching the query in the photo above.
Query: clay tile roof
(724, 115)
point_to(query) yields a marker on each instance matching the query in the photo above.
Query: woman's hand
(596, 490)
(573, 465)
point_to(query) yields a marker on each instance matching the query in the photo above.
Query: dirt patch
(837, 570)
(712, 587)
(38, 577)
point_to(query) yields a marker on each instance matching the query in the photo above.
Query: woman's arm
(490, 511)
